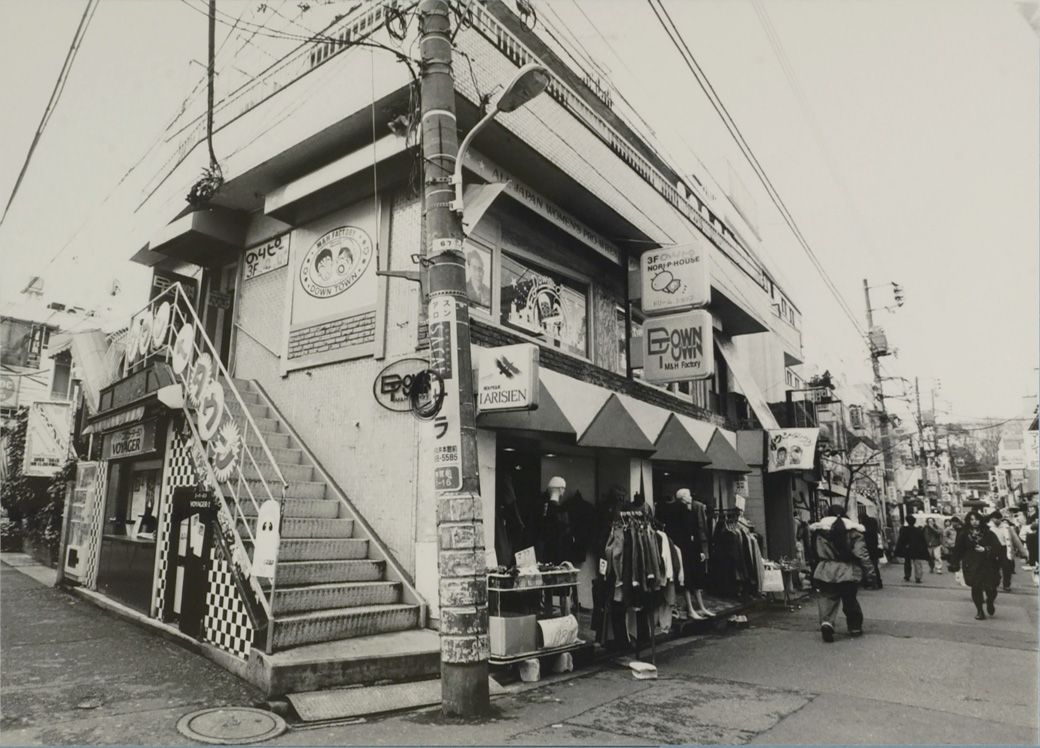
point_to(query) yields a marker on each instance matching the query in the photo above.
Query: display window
(544, 305)
(128, 540)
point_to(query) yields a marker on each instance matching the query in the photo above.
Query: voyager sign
(139, 439)
(674, 278)
(678, 347)
(507, 378)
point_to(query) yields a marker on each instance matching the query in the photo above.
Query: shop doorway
(218, 312)
(188, 553)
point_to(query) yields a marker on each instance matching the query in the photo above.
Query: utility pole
(924, 454)
(886, 436)
(461, 564)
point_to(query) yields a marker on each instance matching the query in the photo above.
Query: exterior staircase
(342, 611)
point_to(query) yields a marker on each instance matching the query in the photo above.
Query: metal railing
(168, 329)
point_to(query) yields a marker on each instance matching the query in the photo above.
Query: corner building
(287, 283)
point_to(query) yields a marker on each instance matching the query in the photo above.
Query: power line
(675, 36)
(52, 103)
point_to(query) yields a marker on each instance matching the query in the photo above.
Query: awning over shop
(202, 237)
(835, 490)
(751, 446)
(676, 444)
(615, 428)
(94, 368)
(742, 373)
(724, 456)
(546, 418)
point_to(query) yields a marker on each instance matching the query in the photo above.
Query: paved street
(926, 672)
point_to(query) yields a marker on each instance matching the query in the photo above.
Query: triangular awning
(546, 418)
(724, 456)
(676, 444)
(614, 428)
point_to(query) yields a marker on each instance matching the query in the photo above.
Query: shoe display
(827, 631)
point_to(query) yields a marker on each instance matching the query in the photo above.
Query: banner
(46, 439)
(791, 449)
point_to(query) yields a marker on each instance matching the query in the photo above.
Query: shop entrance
(187, 570)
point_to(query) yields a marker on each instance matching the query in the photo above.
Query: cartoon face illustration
(344, 260)
(323, 265)
(796, 455)
(781, 456)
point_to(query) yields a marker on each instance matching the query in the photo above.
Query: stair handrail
(182, 312)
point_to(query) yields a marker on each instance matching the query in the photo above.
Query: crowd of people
(981, 550)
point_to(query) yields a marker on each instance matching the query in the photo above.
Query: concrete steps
(309, 527)
(291, 473)
(324, 572)
(337, 595)
(293, 507)
(342, 623)
(297, 489)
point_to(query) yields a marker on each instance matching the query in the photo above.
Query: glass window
(62, 377)
(478, 276)
(545, 306)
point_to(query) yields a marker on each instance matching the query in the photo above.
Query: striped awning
(547, 417)
(676, 444)
(724, 456)
(615, 428)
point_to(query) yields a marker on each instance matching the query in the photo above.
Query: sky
(901, 134)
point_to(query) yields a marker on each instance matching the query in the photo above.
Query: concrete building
(281, 310)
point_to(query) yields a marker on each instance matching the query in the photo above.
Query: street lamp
(529, 81)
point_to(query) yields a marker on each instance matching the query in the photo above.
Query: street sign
(678, 347)
(446, 425)
(675, 278)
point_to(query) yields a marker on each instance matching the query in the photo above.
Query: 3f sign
(679, 347)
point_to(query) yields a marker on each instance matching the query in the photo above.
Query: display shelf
(534, 588)
(513, 659)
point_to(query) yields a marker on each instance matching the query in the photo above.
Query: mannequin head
(555, 488)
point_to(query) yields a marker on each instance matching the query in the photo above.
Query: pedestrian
(950, 529)
(976, 559)
(933, 537)
(842, 561)
(872, 537)
(1029, 533)
(912, 548)
(1013, 548)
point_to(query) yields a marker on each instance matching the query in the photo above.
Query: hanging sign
(444, 360)
(269, 256)
(675, 278)
(792, 449)
(678, 347)
(507, 378)
(46, 439)
(139, 439)
(265, 547)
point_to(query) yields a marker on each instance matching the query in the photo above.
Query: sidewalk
(75, 674)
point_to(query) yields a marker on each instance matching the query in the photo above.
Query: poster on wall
(80, 511)
(792, 449)
(478, 275)
(46, 439)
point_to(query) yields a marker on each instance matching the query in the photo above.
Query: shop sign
(219, 299)
(791, 449)
(675, 278)
(507, 378)
(335, 261)
(392, 387)
(268, 256)
(444, 360)
(1032, 450)
(678, 347)
(139, 439)
(46, 439)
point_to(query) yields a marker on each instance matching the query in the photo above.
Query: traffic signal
(897, 292)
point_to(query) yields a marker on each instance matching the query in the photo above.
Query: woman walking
(933, 536)
(951, 528)
(977, 558)
(842, 562)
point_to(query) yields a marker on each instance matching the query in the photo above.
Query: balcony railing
(229, 448)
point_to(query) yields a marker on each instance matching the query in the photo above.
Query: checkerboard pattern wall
(94, 516)
(178, 471)
(226, 623)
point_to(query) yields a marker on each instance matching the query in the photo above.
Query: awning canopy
(614, 428)
(723, 455)
(546, 418)
(676, 444)
(202, 237)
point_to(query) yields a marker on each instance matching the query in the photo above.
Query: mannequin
(555, 541)
(684, 522)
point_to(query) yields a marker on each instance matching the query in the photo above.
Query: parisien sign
(507, 378)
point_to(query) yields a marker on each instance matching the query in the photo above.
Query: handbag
(772, 579)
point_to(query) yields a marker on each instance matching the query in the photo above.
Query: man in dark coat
(912, 547)
(871, 536)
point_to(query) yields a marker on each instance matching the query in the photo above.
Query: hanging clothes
(510, 531)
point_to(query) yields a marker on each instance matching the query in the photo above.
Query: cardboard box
(512, 634)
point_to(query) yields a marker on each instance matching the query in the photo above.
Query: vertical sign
(444, 360)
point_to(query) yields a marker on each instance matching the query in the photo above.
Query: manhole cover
(232, 725)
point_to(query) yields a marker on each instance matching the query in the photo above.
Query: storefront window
(545, 306)
(478, 276)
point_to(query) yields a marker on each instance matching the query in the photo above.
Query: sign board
(46, 439)
(392, 387)
(678, 347)
(791, 449)
(265, 549)
(80, 511)
(444, 360)
(507, 378)
(138, 439)
(675, 278)
(1032, 450)
(266, 257)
